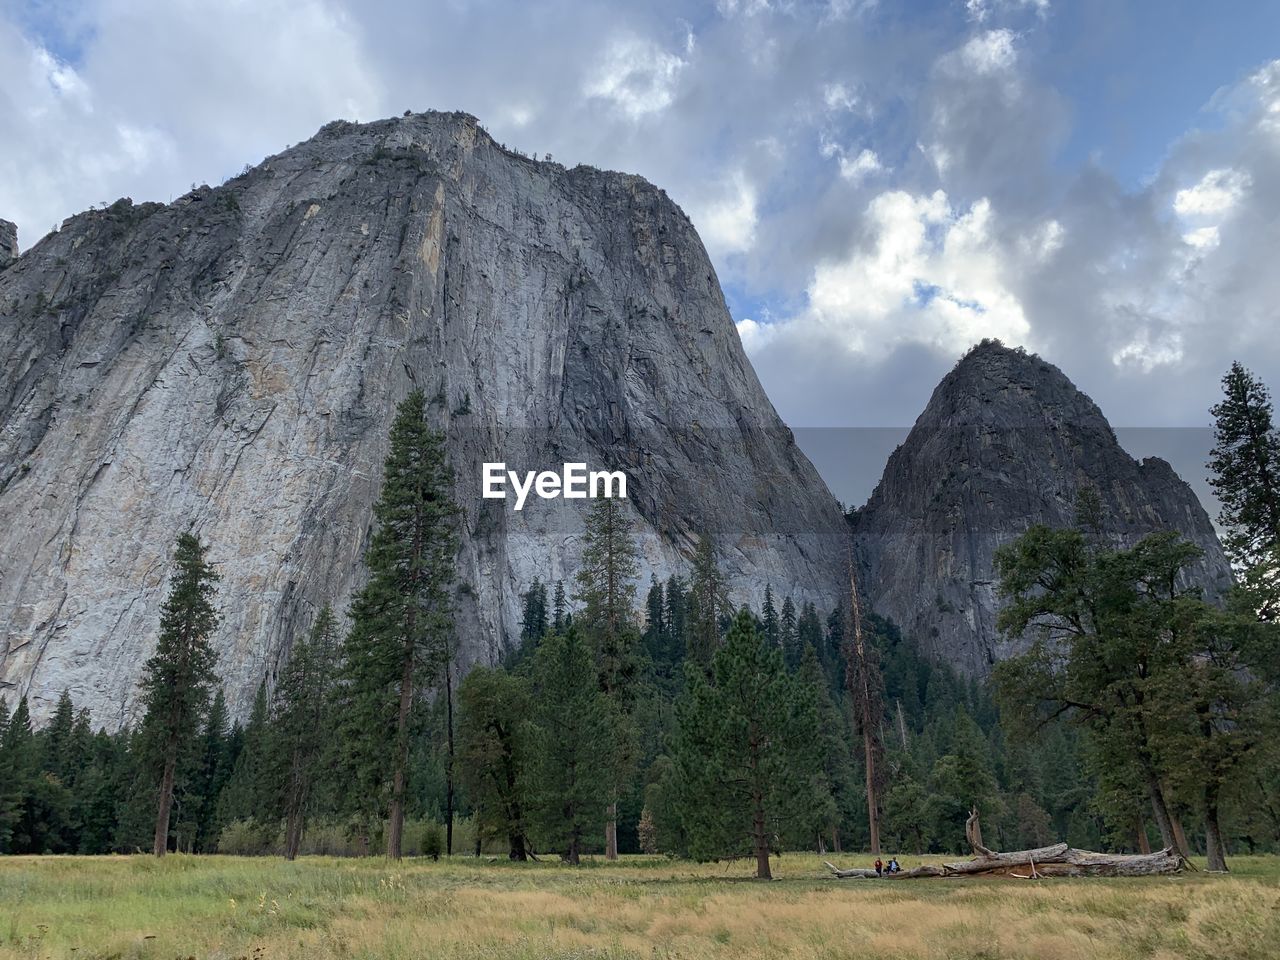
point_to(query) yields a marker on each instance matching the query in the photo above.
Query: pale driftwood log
(1059, 860)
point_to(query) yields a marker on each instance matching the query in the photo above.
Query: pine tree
(655, 622)
(747, 749)
(493, 754)
(12, 787)
(788, 633)
(834, 784)
(676, 617)
(60, 752)
(707, 599)
(301, 720)
(570, 745)
(606, 588)
(401, 619)
(559, 610)
(533, 621)
(252, 791)
(769, 619)
(178, 677)
(1245, 463)
(215, 766)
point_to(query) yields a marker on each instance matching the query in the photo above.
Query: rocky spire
(1006, 441)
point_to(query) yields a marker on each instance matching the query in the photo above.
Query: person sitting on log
(893, 865)
(879, 867)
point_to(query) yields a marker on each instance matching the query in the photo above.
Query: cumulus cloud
(142, 115)
(637, 75)
(876, 191)
(728, 221)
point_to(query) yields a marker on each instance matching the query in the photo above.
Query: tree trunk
(835, 839)
(761, 837)
(1144, 845)
(611, 832)
(1179, 835)
(160, 846)
(1160, 810)
(448, 763)
(1058, 860)
(395, 827)
(1215, 852)
(873, 815)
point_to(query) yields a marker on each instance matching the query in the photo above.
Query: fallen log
(1058, 860)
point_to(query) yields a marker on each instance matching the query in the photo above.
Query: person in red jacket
(879, 867)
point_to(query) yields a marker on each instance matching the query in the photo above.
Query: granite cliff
(230, 363)
(1005, 442)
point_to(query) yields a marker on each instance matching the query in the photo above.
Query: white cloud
(1203, 238)
(866, 163)
(1216, 193)
(637, 75)
(989, 52)
(839, 97)
(928, 274)
(141, 115)
(727, 223)
(981, 10)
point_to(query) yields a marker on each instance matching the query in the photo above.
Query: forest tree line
(683, 724)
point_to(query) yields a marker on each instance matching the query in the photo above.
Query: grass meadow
(641, 907)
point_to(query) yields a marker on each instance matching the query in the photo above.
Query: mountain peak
(1005, 442)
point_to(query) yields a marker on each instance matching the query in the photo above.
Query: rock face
(8, 243)
(1006, 441)
(230, 363)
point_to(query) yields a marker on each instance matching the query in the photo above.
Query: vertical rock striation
(230, 363)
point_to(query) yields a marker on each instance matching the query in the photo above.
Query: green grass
(232, 907)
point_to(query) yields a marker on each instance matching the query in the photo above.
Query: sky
(879, 184)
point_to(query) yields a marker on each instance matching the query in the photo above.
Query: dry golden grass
(227, 907)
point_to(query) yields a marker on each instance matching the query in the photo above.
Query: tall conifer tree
(179, 676)
(401, 618)
(1245, 465)
(302, 719)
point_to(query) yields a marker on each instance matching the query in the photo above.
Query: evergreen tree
(59, 738)
(769, 619)
(834, 783)
(961, 781)
(559, 610)
(401, 619)
(788, 633)
(215, 766)
(1108, 623)
(606, 588)
(178, 677)
(533, 620)
(808, 630)
(570, 745)
(676, 617)
(1245, 463)
(301, 720)
(14, 771)
(655, 623)
(493, 754)
(251, 793)
(707, 600)
(747, 750)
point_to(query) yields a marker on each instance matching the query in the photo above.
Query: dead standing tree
(1059, 860)
(864, 683)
